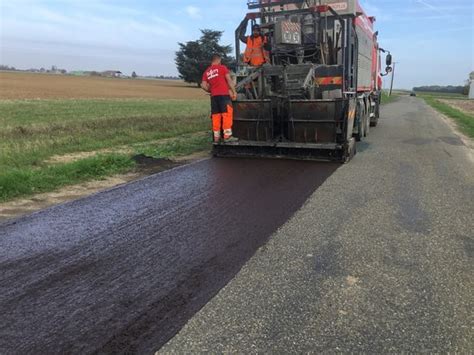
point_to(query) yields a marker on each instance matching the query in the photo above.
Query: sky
(431, 40)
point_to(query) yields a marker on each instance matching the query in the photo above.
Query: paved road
(379, 259)
(122, 271)
(371, 256)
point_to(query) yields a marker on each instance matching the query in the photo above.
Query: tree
(134, 75)
(465, 90)
(194, 57)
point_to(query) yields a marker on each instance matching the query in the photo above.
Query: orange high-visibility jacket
(255, 54)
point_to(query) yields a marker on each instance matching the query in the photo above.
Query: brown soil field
(466, 106)
(46, 86)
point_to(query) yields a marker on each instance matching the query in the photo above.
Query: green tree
(194, 57)
(134, 75)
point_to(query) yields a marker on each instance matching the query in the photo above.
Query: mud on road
(123, 271)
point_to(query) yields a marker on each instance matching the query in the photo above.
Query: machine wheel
(351, 151)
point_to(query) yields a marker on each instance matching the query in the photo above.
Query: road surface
(373, 256)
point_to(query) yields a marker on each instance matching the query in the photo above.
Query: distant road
(373, 256)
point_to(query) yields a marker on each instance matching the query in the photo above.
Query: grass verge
(180, 146)
(386, 99)
(33, 131)
(27, 181)
(464, 121)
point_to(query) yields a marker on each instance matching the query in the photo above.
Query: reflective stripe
(330, 80)
(217, 134)
(255, 54)
(228, 132)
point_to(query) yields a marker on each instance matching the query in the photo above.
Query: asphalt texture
(378, 260)
(258, 256)
(122, 271)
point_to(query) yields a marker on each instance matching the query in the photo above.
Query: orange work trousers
(222, 116)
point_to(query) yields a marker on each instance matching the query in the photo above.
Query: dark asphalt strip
(123, 271)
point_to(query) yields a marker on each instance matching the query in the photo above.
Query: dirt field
(45, 86)
(466, 106)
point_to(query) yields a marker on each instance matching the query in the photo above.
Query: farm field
(466, 106)
(45, 86)
(55, 141)
(456, 107)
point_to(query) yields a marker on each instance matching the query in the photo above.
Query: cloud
(428, 5)
(84, 23)
(194, 12)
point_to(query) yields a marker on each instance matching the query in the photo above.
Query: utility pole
(393, 78)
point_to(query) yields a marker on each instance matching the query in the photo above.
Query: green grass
(184, 145)
(32, 131)
(463, 120)
(388, 99)
(27, 181)
(442, 95)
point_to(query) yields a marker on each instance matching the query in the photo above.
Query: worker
(217, 81)
(257, 51)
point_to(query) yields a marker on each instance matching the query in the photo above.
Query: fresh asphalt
(285, 257)
(122, 271)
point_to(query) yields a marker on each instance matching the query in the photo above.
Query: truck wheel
(360, 131)
(367, 124)
(375, 121)
(360, 123)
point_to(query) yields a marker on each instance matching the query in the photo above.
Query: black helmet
(256, 27)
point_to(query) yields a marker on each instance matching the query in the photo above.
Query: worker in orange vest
(217, 81)
(257, 51)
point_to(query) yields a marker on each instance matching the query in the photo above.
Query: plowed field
(46, 86)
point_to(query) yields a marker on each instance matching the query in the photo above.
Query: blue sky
(431, 39)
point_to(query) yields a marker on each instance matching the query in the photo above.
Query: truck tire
(375, 121)
(360, 123)
(360, 131)
(367, 123)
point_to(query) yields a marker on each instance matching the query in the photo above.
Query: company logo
(213, 73)
(339, 6)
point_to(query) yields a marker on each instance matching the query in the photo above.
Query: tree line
(449, 89)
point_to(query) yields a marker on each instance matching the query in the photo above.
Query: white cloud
(84, 25)
(194, 12)
(428, 5)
